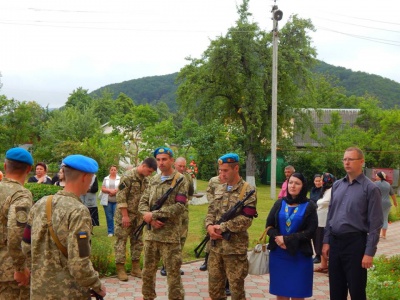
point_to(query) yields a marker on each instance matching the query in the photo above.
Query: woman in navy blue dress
(291, 224)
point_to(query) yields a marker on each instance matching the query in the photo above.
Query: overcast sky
(50, 48)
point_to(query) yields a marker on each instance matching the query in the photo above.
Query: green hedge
(40, 190)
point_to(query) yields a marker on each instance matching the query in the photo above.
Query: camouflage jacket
(189, 179)
(131, 188)
(15, 203)
(212, 185)
(54, 276)
(223, 201)
(172, 210)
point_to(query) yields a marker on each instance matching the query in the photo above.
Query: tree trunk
(250, 168)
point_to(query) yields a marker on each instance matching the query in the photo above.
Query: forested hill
(150, 90)
(359, 83)
(162, 88)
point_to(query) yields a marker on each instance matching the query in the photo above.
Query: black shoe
(163, 272)
(182, 273)
(317, 259)
(203, 267)
(227, 292)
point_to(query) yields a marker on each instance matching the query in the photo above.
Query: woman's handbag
(259, 257)
(103, 198)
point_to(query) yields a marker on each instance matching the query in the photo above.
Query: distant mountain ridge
(162, 88)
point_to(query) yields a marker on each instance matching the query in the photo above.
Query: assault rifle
(156, 206)
(230, 214)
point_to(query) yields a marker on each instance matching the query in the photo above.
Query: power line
(376, 28)
(371, 39)
(365, 19)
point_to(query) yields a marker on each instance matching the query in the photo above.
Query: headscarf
(302, 196)
(381, 175)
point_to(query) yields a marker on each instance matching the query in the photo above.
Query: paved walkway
(196, 284)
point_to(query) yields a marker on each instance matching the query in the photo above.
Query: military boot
(121, 273)
(135, 271)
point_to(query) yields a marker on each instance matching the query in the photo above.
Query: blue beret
(20, 155)
(81, 163)
(228, 158)
(163, 150)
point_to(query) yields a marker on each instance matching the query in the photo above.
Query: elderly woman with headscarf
(291, 224)
(386, 190)
(322, 211)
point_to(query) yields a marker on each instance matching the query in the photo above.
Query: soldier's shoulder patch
(121, 186)
(21, 216)
(83, 244)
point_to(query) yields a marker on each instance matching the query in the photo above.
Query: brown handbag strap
(50, 226)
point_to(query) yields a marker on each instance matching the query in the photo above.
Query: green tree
(20, 122)
(232, 81)
(79, 99)
(131, 126)
(63, 130)
(104, 106)
(123, 104)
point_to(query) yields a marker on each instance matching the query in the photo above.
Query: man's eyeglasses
(350, 159)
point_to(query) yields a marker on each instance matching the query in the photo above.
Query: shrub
(40, 190)
(383, 279)
(102, 256)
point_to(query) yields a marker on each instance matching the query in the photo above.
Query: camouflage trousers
(171, 256)
(184, 227)
(122, 234)
(220, 267)
(11, 291)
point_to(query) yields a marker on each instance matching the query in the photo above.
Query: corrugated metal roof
(320, 118)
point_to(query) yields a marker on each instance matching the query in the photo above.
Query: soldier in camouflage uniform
(212, 185)
(163, 239)
(54, 274)
(180, 166)
(15, 203)
(228, 259)
(127, 217)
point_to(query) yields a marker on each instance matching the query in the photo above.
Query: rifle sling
(241, 196)
(175, 179)
(50, 226)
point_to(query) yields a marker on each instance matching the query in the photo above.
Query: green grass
(103, 246)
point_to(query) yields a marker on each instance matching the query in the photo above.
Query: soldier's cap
(163, 150)
(81, 163)
(228, 158)
(20, 155)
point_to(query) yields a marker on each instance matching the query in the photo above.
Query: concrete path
(196, 282)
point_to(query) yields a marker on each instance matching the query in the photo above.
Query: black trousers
(345, 272)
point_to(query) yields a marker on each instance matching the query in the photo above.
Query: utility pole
(276, 16)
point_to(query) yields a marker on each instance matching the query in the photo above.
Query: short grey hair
(290, 167)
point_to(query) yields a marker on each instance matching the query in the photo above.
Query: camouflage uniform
(15, 203)
(55, 276)
(130, 190)
(164, 242)
(228, 259)
(213, 183)
(185, 217)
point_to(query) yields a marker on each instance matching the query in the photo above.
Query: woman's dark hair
(381, 175)
(42, 164)
(302, 196)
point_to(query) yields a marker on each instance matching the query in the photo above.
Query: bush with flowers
(384, 278)
(192, 169)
